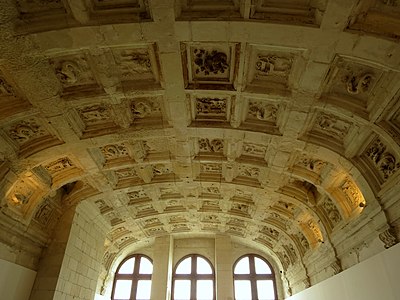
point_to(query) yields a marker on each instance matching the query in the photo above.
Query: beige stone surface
(273, 124)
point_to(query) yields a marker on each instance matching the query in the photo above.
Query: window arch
(254, 279)
(132, 279)
(193, 279)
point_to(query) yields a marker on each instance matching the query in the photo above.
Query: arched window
(133, 279)
(254, 279)
(193, 279)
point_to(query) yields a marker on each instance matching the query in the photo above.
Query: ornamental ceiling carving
(194, 117)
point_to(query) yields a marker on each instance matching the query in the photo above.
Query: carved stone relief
(210, 62)
(388, 237)
(255, 150)
(126, 173)
(350, 84)
(22, 192)
(211, 145)
(161, 169)
(95, 114)
(262, 111)
(352, 193)
(313, 227)
(331, 211)
(44, 213)
(133, 63)
(114, 151)
(273, 65)
(103, 207)
(384, 161)
(25, 131)
(211, 168)
(314, 165)
(272, 233)
(145, 108)
(211, 108)
(74, 71)
(248, 171)
(59, 165)
(332, 126)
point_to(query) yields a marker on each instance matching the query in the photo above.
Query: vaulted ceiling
(274, 122)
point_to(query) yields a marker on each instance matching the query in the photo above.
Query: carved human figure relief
(272, 65)
(210, 62)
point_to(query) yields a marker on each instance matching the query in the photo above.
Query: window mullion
(253, 279)
(193, 279)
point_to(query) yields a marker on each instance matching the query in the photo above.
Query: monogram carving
(144, 108)
(25, 131)
(216, 145)
(210, 61)
(272, 65)
(59, 165)
(211, 106)
(114, 151)
(262, 111)
(385, 162)
(94, 113)
(358, 83)
(254, 150)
